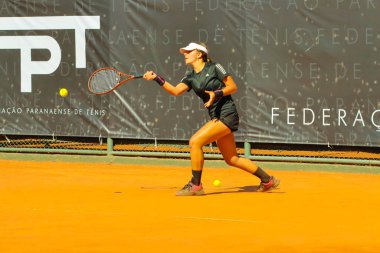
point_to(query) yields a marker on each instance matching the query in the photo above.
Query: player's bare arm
(171, 89)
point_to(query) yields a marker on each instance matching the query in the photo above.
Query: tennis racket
(105, 80)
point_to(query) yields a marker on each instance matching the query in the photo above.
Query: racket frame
(121, 74)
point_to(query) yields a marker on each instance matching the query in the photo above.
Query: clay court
(96, 204)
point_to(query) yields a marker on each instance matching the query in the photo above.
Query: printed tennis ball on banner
(63, 92)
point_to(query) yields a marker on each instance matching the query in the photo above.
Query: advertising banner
(307, 71)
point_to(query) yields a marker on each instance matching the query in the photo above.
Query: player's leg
(227, 147)
(210, 132)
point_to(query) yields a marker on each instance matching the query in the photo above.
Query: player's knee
(194, 143)
(232, 161)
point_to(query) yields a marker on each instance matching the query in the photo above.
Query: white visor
(192, 46)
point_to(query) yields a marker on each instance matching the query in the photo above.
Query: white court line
(216, 219)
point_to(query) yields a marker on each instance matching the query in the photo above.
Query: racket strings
(104, 81)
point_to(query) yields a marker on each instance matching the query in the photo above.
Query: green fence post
(247, 149)
(109, 146)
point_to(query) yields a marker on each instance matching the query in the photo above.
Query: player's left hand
(211, 100)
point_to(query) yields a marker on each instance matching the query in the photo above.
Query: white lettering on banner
(373, 120)
(304, 110)
(29, 67)
(291, 113)
(27, 43)
(340, 117)
(274, 114)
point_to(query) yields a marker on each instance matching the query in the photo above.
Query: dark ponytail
(205, 58)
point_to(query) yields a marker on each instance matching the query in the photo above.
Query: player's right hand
(149, 75)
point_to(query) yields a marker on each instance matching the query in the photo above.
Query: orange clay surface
(73, 207)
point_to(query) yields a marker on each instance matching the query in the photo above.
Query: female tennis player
(214, 86)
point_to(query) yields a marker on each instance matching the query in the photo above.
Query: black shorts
(231, 121)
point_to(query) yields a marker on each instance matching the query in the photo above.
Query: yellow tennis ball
(63, 92)
(216, 182)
